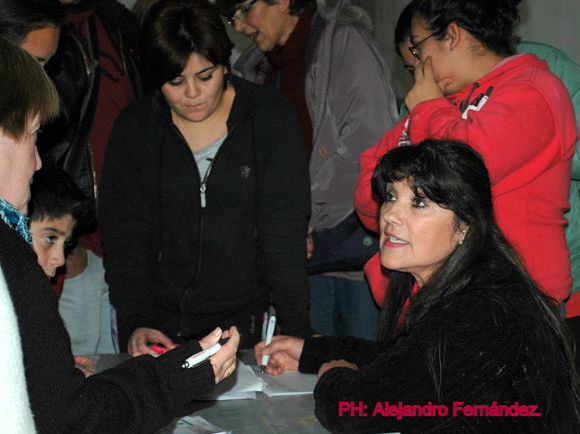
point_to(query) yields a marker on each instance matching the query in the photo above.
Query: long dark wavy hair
(454, 176)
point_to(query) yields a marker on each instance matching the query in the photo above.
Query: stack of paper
(246, 381)
(243, 384)
(288, 383)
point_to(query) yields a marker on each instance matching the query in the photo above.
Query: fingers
(224, 371)
(426, 86)
(258, 352)
(85, 365)
(284, 354)
(260, 348)
(138, 345)
(285, 343)
(211, 339)
(427, 69)
(143, 336)
(224, 361)
(229, 349)
(160, 338)
(424, 71)
(281, 361)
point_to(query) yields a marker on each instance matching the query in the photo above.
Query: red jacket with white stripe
(526, 133)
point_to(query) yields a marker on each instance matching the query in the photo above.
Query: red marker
(158, 349)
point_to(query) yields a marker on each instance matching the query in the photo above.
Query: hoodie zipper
(201, 225)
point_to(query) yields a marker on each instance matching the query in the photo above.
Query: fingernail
(217, 332)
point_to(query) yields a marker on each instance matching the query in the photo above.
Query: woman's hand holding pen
(284, 354)
(142, 337)
(85, 365)
(426, 86)
(336, 364)
(224, 361)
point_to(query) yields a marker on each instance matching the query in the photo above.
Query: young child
(57, 210)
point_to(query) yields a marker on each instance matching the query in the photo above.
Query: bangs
(26, 91)
(173, 49)
(44, 98)
(429, 175)
(447, 172)
(174, 31)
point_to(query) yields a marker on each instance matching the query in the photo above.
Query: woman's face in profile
(428, 46)
(197, 93)
(409, 61)
(18, 161)
(416, 233)
(42, 43)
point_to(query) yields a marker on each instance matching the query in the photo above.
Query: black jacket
(76, 73)
(139, 396)
(483, 345)
(184, 270)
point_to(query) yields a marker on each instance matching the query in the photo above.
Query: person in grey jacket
(330, 67)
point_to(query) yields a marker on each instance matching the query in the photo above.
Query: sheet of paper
(288, 383)
(243, 384)
(192, 425)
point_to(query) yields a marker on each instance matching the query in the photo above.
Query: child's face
(49, 237)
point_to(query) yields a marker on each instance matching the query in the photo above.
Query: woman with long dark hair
(470, 84)
(464, 323)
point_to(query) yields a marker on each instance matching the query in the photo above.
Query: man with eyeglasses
(326, 62)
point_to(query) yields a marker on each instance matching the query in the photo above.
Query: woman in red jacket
(471, 85)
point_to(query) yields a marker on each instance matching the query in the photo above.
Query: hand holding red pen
(85, 365)
(143, 337)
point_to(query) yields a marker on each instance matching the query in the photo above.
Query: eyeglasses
(241, 12)
(414, 49)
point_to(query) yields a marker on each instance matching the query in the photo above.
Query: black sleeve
(324, 349)
(462, 356)
(128, 227)
(283, 212)
(140, 395)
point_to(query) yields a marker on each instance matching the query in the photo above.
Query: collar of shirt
(295, 46)
(15, 219)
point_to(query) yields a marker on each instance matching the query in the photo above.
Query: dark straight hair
(176, 29)
(20, 17)
(454, 176)
(25, 91)
(403, 26)
(54, 194)
(490, 21)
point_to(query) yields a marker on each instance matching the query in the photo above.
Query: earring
(464, 232)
